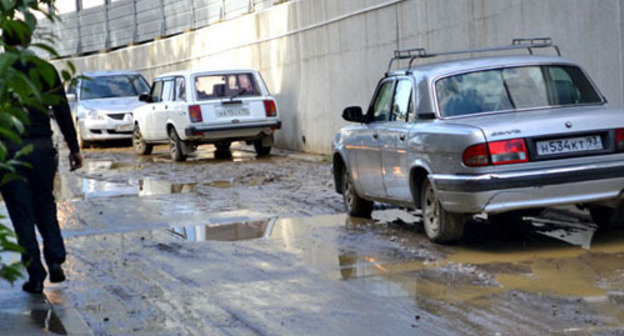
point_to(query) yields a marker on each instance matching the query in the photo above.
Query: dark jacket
(40, 120)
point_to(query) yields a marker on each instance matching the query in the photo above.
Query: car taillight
(476, 156)
(195, 113)
(508, 152)
(619, 140)
(270, 108)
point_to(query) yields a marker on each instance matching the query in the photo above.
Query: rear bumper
(494, 193)
(232, 130)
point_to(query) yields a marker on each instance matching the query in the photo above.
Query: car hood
(112, 105)
(535, 123)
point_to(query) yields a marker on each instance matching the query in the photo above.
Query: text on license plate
(569, 145)
(123, 128)
(227, 113)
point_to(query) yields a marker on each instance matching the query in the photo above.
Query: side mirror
(144, 98)
(71, 97)
(353, 113)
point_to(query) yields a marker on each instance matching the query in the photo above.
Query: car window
(100, 87)
(156, 91)
(514, 88)
(180, 89)
(218, 86)
(383, 102)
(167, 91)
(402, 100)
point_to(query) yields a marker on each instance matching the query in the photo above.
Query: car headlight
(94, 115)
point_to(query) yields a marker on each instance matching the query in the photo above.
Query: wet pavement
(247, 246)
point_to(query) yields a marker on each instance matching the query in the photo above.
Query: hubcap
(348, 193)
(138, 141)
(431, 212)
(173, 145)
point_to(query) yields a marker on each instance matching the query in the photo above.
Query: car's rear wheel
(176, 146)
(440, 225)
(141, 147)
(356, 205)
(223, 146)
(260, 149)
(607, 217)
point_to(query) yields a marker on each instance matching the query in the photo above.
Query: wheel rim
(138, 140)
(348, 192)
(173, 146)
(431, 213)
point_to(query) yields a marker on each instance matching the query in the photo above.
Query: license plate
(569, 145)
(229, 113)
(123, 128)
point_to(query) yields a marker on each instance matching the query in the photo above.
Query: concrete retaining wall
(319, 56)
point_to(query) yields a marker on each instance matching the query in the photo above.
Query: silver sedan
(506, 135)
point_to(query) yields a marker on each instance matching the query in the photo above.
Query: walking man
(29, 200)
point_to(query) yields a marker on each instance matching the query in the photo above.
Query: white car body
(102, 119)
(218, 120)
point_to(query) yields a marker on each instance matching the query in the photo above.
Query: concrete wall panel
(319, 56)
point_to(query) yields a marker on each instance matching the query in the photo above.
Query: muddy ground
(248, 246)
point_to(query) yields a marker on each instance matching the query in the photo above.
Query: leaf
(10, 135)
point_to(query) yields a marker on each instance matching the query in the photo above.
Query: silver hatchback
(505, 136)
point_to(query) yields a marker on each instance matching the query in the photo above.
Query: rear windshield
(514, 88)
(222, 86)
(113, 86)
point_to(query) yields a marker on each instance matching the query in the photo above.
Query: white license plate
(123, 128)
(229, 113)
(569, 145)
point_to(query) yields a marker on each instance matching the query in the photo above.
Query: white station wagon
(187, 109)
(503, 136)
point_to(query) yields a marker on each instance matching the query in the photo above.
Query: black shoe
(35, 287)
(56, 273)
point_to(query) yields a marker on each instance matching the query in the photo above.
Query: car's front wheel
(440, 225)
(141, 147)
(223, 146)
(607, 217)
(176, 146)
(356, 205)
(82, 143)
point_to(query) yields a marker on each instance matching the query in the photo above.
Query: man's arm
(63, 117)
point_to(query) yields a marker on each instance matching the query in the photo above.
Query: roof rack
(519, 43)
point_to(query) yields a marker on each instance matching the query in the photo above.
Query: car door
(149, 112)
(178, 110)
(161, 115)
(394, 137)
(368, 176)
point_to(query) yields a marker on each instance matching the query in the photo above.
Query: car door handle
(402, 137)
(376, 135)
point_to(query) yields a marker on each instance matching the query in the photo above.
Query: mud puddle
(75, 188)
(545, 260)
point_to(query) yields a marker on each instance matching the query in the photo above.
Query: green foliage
(21, 92)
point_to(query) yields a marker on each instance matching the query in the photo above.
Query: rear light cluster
(270, 109)
(496, 153)
(195, 113)
(619, 140)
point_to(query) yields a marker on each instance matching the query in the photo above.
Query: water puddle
(73, 188)
(101, 166)
(224, 232)
(221, 184)
(553, 259)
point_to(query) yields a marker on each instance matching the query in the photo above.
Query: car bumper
(238, 130)
(101, 130)
(495, 193)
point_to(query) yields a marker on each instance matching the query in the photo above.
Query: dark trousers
(31, 203)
